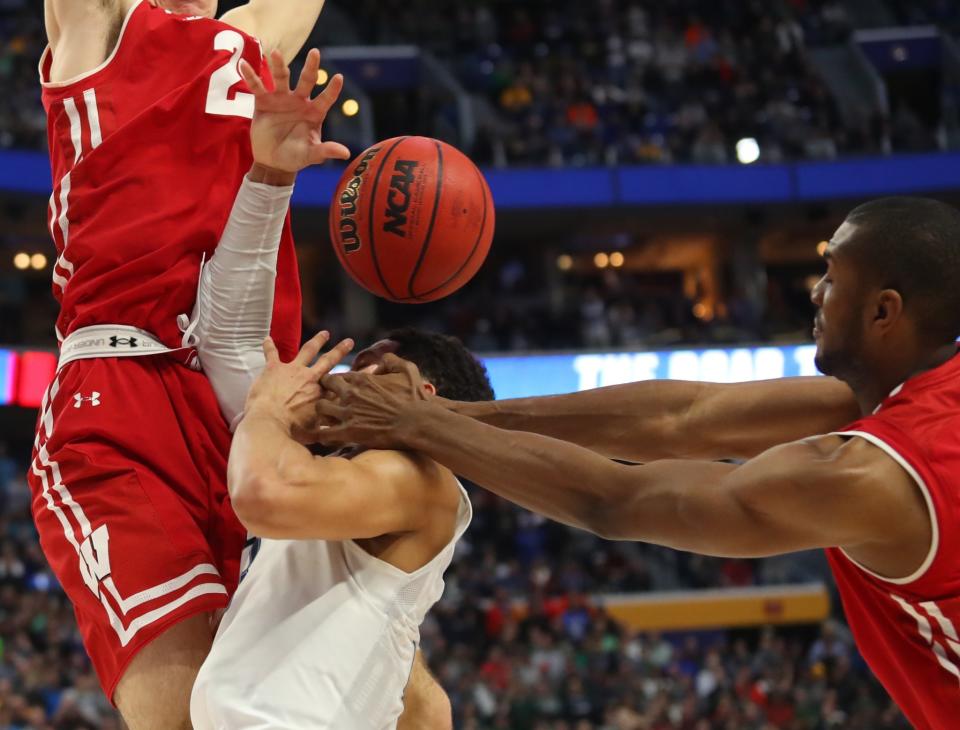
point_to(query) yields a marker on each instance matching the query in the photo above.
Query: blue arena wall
(28, 172)
(24, 375)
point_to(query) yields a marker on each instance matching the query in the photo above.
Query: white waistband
(110, 340)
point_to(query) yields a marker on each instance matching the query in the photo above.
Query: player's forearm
(268, 176)
(264, 461)
(686, 505)
(653, 420)
(234, 307)
(560, 480)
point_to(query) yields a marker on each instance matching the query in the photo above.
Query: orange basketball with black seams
(412, 219)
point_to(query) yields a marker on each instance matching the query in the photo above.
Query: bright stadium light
(351, 107)
(616, 259)
(323, 77)
(601, 261)
(22, 261)
(822, 248)
(748, 150)
(564, 262)
(38, 261)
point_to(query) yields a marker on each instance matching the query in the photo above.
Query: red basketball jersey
(148, 152)
(907, 629)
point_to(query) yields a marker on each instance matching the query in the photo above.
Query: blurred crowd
(553, 661)
(23, 122)
(512, 305)
(638, 82)
(944, 13)
(607, 82)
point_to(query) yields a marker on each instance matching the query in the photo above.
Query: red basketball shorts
(128, 480)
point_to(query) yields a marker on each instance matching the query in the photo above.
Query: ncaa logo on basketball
(349, 199)
(398, 199)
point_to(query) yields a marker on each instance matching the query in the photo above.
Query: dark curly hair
(446, 362)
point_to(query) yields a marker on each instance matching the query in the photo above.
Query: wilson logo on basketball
(349, 199)
(419, 224)
(398, 199)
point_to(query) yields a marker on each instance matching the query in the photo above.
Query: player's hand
(289, 392)
(287, 123)
(379, 411)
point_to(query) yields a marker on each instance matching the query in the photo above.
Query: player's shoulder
(854, 455)
(418, 476)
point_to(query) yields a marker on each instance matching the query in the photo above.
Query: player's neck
(872, 392)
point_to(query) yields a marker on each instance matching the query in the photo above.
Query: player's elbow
(601, 516)
(257, 503)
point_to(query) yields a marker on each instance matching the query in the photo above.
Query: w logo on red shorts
(95, 559)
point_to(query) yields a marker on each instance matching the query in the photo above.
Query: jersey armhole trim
(464, 518)
(87, 74)
(931, 510)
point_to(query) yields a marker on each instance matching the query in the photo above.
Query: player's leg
(425, 704)
(154, 691)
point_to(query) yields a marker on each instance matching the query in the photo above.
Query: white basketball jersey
(321, 636)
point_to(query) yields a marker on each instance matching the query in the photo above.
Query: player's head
(892, 284)
(444, 362)
(203, 8)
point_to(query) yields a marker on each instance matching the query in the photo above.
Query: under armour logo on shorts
(93, 399)
(123, 341)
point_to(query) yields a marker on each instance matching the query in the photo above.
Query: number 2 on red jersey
(226, 77)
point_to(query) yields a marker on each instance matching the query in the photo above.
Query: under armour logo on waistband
(93, 399)
(123, 341)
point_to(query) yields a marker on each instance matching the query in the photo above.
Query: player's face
(367, 360)
(203, 8)
(839, 296)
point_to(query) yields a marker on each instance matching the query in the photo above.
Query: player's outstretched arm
(815, 493)
(672, 419)
(234, 306)
(284, 25)
(280, 490)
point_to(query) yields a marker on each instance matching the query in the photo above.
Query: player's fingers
(310, 75)
(336, 384)
(270, 351)
(320, 153)
(280, 71)
(392, 364)
(329, 360)
(308, 353)
(250, 76)
(328, 97)
(331, 411)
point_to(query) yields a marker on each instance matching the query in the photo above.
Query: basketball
(412, 219)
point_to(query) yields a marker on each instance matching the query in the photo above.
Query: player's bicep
(243, 18)
(82, 15)
(278, 24)
(332, 498)
(816, 493)
(797, 496)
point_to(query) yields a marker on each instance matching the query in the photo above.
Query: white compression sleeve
(234, 307)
